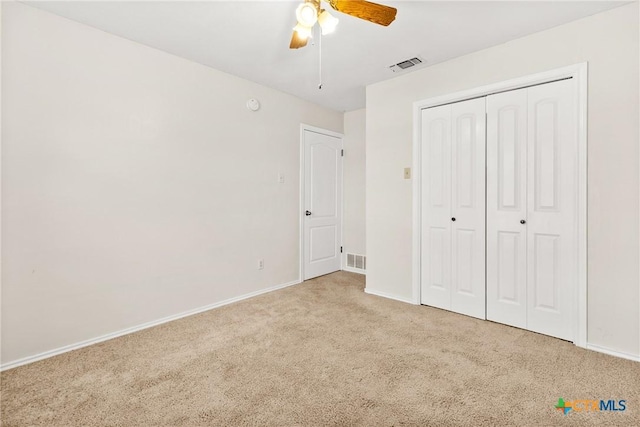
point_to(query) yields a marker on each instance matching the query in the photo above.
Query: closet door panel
(552, 213)
(507, 207)
(436, 207)
(468, 207)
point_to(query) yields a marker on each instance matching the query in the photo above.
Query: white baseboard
(91, 341)
(354, 270)
(386, 295)
(635, 358)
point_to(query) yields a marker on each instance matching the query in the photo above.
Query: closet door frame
(576, 72)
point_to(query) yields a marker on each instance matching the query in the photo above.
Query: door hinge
(342, 153)
(340, 249)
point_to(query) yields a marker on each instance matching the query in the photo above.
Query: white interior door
(468, 208)
(552, 222)
(322, 224)
(507, 207)
(436, 207)
(532, 257)
(453, 207)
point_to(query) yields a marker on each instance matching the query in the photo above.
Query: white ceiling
(251, 38)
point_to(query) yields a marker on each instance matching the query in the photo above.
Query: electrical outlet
(407, 173)
(260, 264)
(281, 178)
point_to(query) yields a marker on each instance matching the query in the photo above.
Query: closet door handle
(522, 221)
(453, 219)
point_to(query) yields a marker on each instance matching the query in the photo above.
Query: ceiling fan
(310, 12)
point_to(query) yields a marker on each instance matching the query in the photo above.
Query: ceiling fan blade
(373, 12)
(297, 41)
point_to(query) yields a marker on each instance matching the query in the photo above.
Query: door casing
(578, 72)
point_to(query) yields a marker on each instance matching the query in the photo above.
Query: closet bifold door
(468, 208)
(532, 268)
(453, 207)
(552, 221)
(507, 208)
(436, 207)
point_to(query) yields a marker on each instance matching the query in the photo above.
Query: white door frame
(305, 127)
(578, 72)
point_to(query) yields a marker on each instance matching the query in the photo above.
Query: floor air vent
(357, 262)
(403, 65)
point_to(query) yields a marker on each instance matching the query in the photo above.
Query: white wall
(609, 42)
(354, 240)
(135, 184)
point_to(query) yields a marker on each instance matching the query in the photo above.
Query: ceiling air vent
(403, 65)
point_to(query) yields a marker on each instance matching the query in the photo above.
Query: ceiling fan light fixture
(303, 31)
(327, 22)
(306, 14)
(310, 11)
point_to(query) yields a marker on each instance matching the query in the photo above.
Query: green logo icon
(561, 406)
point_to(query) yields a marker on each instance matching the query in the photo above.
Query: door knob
(307, 213)
(522, 221)
(453, 219)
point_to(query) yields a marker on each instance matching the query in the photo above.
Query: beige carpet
(321, 353)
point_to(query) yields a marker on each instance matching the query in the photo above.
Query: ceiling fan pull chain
(319, 59)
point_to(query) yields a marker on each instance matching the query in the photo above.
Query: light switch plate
(407, 173)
